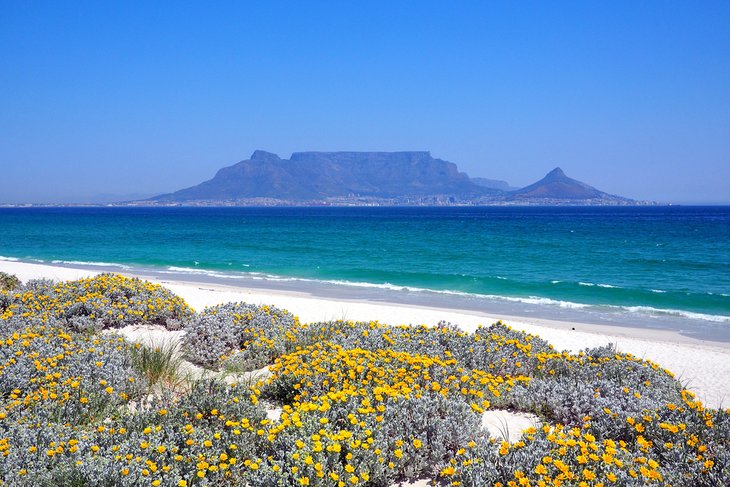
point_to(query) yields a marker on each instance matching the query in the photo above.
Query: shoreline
(702, 365)
(610, 318)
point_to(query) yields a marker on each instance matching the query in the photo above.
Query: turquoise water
(648, 266)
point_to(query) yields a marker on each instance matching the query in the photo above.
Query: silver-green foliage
(251, 335)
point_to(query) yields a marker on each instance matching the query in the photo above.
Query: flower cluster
(344, 403)
(94, 304)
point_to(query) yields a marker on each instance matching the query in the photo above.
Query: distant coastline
(349, 202)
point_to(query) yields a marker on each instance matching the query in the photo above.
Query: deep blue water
(653, 263)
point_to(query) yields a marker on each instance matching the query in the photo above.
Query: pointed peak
(263, 156)
(556, 173)
(557, 186)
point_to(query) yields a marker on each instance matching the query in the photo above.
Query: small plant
(8, 282)
(503, 429)
(159, 363)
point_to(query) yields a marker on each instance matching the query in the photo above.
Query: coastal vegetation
(8, 282)
(339, 403)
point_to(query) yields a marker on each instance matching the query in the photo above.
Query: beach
(702, 366)
(376, 245)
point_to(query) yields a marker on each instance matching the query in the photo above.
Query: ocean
(656, 267)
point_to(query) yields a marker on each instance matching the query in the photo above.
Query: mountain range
(373, 178)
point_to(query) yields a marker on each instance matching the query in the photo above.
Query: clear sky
(137, 98)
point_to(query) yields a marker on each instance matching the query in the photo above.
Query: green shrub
(8, 282)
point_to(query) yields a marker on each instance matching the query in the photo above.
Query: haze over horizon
(136, 99)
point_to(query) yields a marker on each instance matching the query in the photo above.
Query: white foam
(187, 269)
(590, 284)
(531, 300)
(9, 259)
(537, 300)
(91, 263)
(676, 312)
(542, 301)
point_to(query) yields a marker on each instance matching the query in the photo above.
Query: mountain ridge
(349, 177)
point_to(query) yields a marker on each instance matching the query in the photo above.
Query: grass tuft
(158, 362)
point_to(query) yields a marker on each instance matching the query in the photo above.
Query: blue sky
(131, 98)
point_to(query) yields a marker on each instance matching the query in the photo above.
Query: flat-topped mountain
(380, 178)
(317, 175)
(557, 186)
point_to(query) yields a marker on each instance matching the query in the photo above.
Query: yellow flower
(448, 471)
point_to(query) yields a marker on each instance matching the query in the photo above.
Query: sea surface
(657, 267)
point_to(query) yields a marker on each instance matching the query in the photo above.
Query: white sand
(508, 425)
(704, 367)
(26, 271)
